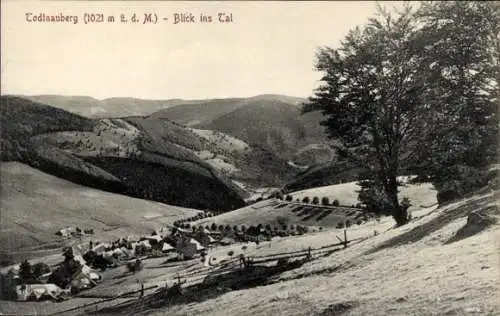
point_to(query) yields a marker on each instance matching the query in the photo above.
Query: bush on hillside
(336, 203)
(325, 201)
(289, 198)
(340, 225)
(374, 197)
(282, 221)
(39, 269)
(306, 199)
(26, 271)
(315, 200)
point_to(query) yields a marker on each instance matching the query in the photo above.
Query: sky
(269, 48)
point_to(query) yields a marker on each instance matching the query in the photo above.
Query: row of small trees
(250, 230)
(184, 223)
(315, 200)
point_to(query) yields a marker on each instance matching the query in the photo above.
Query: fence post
(345, 238)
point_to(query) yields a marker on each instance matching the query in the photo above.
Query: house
(84, 278)
(188, 248)
(167, 247)
(130, 253)
(66, 232)
(39, 291)
(205, 239)
(101, 248)
(154, 238)
(146, 244)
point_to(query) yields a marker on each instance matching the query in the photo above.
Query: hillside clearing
(35, 205)
(420, 195)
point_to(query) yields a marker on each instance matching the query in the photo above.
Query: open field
(35, 205)
(420, 195)
(274, 212)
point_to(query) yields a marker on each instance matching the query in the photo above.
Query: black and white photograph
(249, 158)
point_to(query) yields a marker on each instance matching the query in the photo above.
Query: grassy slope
(420, 195)
(228, 155)
(35, 205)
(272, 212)
(425, 275)
(411, 270)
(272, 121)
(268, 211)
(274, 124)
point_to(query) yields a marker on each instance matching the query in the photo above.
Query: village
(90, 261)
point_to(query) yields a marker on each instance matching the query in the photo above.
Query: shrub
(336, 202)
(230, 253)
(456, 181)
(359, 222)
(289, 198)
(374, 197)
(405, 203)
(8, 286)
(135, 266)
(213, 227)
(25, 271)
(325, 201)
(141, 250)
(282, 221)
(340, 225)
(278, 195)
(348, 223)
(306, 199)
(253, 230)
(315, 200)
(40, 269)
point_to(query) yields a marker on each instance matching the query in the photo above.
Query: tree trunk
(399, 213)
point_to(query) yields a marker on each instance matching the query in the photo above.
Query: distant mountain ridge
(126, 106)
(281, 140)
(112, 155)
